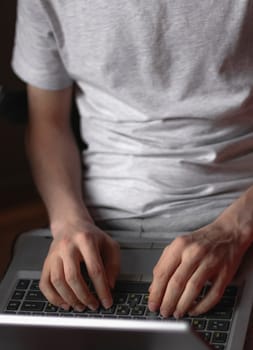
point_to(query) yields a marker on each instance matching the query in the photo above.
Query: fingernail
(79, 307)
(107, 303)
(65, 307)
(177, 315)
(192, 313)
(93, 307)
(152, 306)
(165, 314)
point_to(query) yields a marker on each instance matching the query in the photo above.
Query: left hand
(212, 253)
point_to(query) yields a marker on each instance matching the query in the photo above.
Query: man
(164, 90)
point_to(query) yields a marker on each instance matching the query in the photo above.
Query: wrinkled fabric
(164, 90)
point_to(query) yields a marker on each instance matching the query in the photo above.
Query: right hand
(61, 280)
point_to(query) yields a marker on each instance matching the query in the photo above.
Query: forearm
(55, 163)
(54, 156)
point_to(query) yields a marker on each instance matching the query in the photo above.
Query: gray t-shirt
(165, 94)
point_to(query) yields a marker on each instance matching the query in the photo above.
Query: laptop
(28, 321)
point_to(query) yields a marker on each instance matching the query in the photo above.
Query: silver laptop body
(18, 332)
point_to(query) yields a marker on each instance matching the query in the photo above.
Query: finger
(96, 271)
(58, 281)
(75, 281)
(162, 272)
(214, 294)
(111, 258)
(176, 286)
(49, 291)
(194, 286)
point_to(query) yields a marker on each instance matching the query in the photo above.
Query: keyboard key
(23, 284)
(109, 316)
(51, 308)
(226, 302)
(123, 310)
(109, 311)
(120, 298)
(35, 295)
(220, 314)
(138, 310)
(206, 335)
(199, 324)
(33, 306)
(61, 310)
(18, 295)
(219, 337)
(152, 315)
(35, 285)
(92, 312)
(134, 299)
(230, 291)
(218, 325)
(13, 305)
(145, 299)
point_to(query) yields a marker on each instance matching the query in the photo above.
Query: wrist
(238, 218)
(70, 219)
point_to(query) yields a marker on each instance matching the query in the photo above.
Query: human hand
(212, 253)
(61, 280)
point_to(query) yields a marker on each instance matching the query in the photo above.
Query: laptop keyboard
(213, 326)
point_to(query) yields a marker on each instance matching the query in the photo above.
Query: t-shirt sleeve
(36, 58)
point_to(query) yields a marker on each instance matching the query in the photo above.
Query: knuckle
(95, 271)
(195, 284)
(64, 244)
(177, 282)
(181, 242)
(195, 251)
(71, 277)
(56, 281)
(80, 237)
(158, 273)
(87, 238)
(209, 266)
(198, 248)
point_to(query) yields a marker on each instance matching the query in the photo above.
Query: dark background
(15, 178)
(20, 206)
